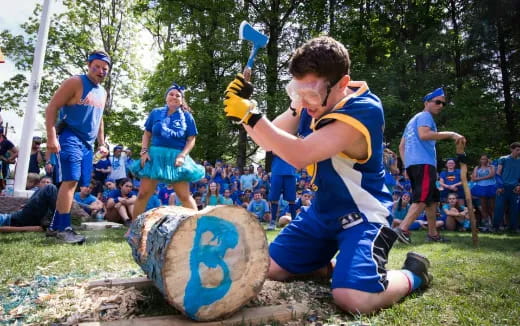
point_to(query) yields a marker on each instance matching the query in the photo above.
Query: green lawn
(471, 286)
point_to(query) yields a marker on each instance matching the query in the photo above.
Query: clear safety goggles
(313, 93)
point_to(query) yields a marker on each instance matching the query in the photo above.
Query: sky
(12, 15)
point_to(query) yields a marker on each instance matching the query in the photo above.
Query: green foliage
(402, 49)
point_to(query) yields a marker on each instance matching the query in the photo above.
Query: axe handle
(467, 194)
(247, 73)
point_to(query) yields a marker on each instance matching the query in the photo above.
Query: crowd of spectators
(494, 187)
(113, 189)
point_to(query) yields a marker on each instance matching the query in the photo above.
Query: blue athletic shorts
(282, 184)
(309, 243)
(75, 160)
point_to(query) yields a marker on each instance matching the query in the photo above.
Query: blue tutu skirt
(161, 166)
(484, 191)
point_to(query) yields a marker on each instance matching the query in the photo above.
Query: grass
(472, 286)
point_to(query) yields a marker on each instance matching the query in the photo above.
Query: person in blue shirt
(417, 150)
(120, 205)
(169, 137)
(87, 201)
(80, 101)
(451, 181)
(259, 207)
(508, 188)
(165, 193)
(335, 129)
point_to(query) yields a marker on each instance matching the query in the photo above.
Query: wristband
(143, 151)
(255, 117)
(48, 162)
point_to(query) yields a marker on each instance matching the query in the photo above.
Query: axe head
(248, 33)
(259, 40)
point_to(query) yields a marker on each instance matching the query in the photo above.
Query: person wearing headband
(80, 101)
(334, 128)
(417, 150)
(169, 136)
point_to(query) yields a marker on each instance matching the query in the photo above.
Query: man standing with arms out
(417, 149)
(80, 101)
(345, 150)
(508, 186)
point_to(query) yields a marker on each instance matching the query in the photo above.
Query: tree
(81, 28)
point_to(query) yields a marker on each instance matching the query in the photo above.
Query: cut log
(208, 263)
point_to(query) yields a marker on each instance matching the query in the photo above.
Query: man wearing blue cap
(80, 101)
(417, 149)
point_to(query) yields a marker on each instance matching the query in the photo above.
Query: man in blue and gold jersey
(335, 129)
(80, 101)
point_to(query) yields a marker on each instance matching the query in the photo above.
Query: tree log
(208, 263)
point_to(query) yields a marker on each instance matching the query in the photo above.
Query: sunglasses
(439, 102)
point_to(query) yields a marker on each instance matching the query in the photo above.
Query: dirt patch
(70, 305)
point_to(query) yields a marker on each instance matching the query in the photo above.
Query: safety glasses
(310, 92)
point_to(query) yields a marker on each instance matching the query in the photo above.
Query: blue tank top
(344, 185)
(84, 118)
(484, 173)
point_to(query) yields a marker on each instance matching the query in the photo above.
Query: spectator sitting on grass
(35, 215)
(120, 205)
(226, 198)
(400, 208)
(213, 196)
(87, 201)
(260, 208)
(456, 215)
(305, 200)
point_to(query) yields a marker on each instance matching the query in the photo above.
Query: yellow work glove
(237, 105)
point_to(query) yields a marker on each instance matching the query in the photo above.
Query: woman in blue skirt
(168, 138)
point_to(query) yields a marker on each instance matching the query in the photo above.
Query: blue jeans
(510, 199)
(5, 219)
(40, 205)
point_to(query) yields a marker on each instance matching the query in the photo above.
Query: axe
(259, 40)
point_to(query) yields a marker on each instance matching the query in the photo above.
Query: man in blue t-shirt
(417, 149)
(508, 188)
(87, 201)
(80, 101)
(259, 207)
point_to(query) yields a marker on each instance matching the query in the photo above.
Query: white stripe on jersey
(369, 205)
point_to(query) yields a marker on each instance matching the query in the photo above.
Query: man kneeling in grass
(35, 215)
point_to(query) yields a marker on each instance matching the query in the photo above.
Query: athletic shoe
(402, 235)
(70, 236)
(127, 223)
(51, 233)
(271, 227)
(419, 264)
(437, 238)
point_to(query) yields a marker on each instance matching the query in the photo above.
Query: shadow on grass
(39, 238)
(487, 242)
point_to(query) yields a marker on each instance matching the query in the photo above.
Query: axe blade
(259, 40)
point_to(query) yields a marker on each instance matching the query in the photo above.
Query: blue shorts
(75, 160)
(283, 184)
(309, 243)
